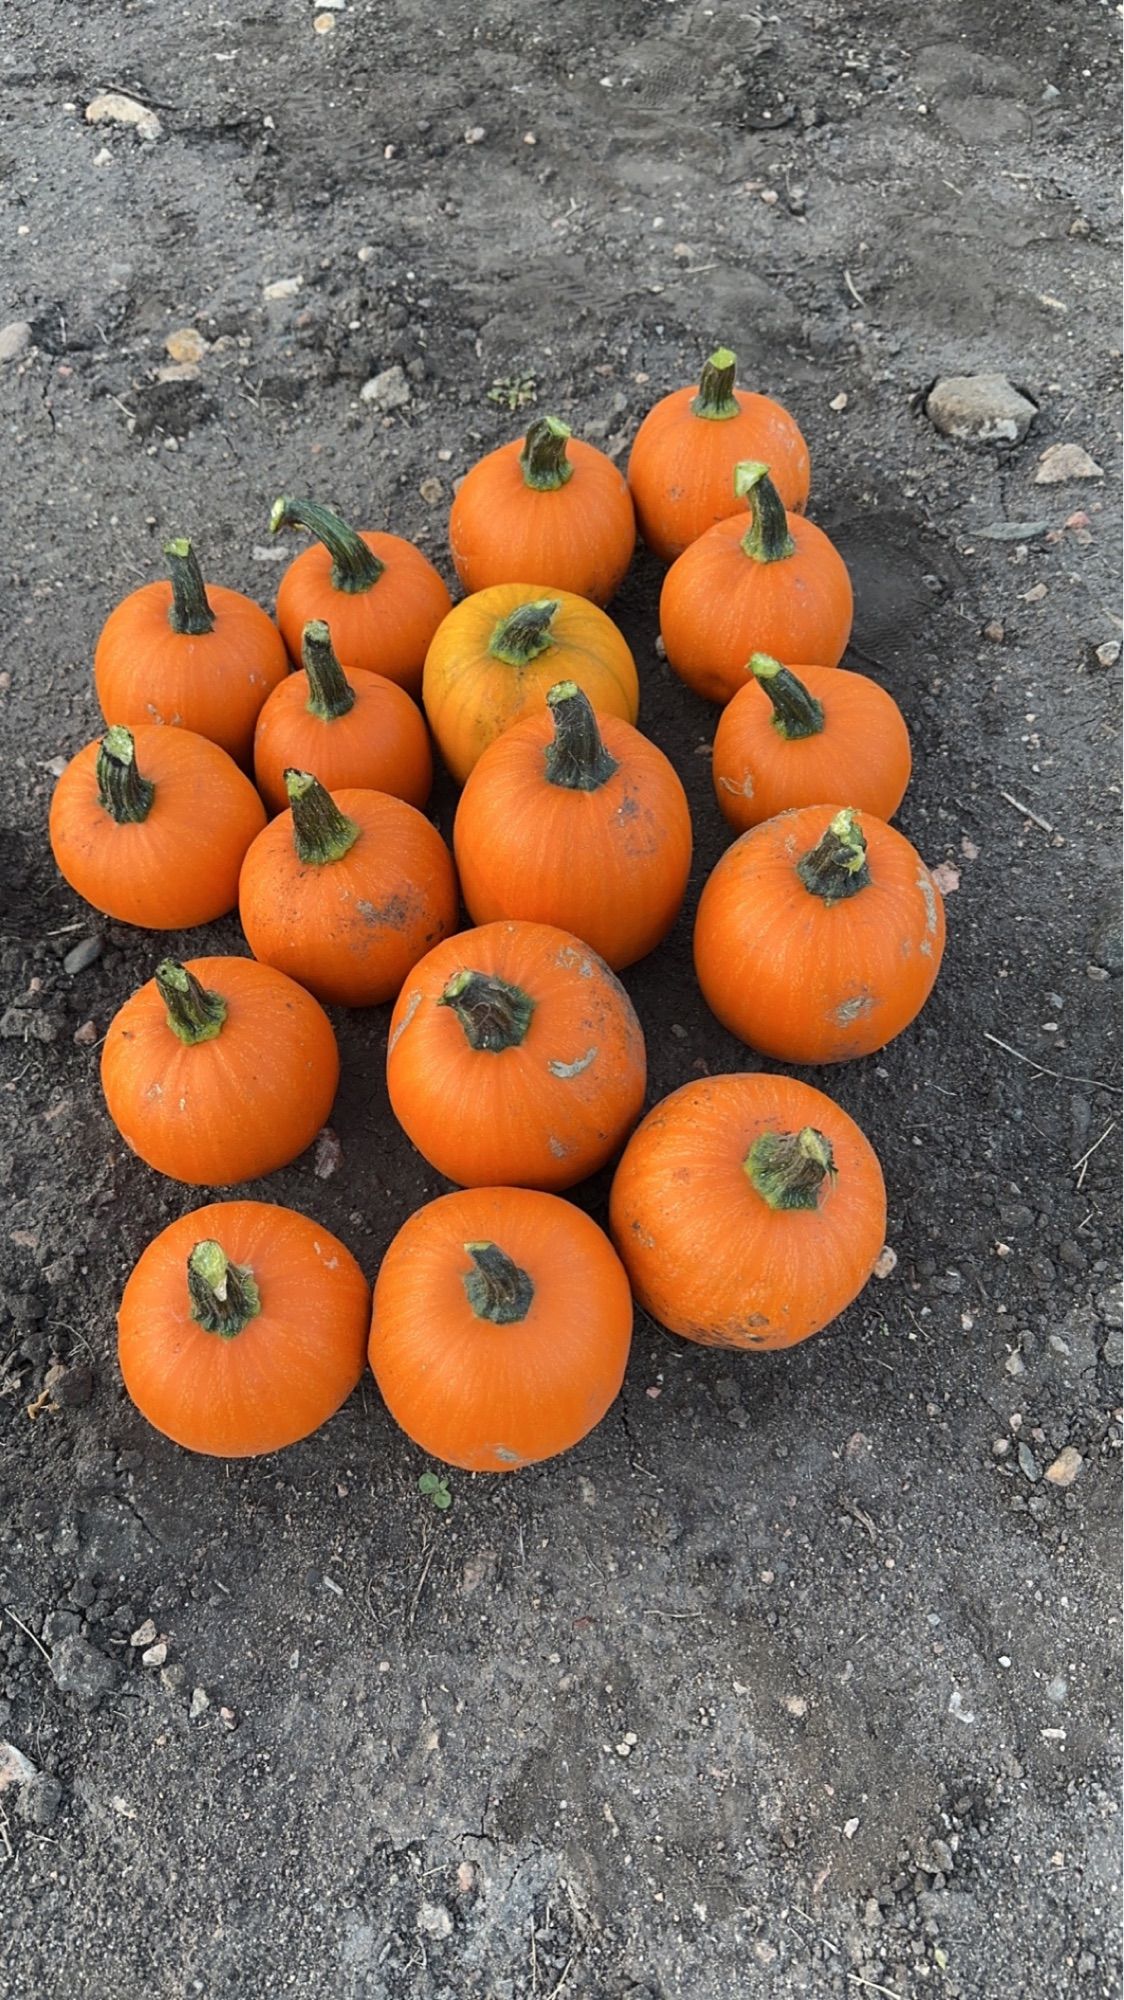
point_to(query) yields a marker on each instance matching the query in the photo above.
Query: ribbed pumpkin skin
(230, 1109)
(471, 698)
(213, 683)
(350, 930)
(579, 537)
(862, 755)
(544, 1114)
(706, 1255)
(611, 865)
(180, 866)
(279, 1379)
(380, 745)
(384, 630)
(807, 982)
(681, 468)
(718, 606)
(492, 1398)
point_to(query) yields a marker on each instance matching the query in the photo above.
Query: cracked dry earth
(800, 1676)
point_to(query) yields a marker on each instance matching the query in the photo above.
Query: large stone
(980, 409)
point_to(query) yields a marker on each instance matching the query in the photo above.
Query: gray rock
(74, 1387)
(79, 1669)
(1060, 463)
(1028, 1464)
(1108, 946)
(40, 1799)
(15, 339)
(388, 391)
(980, 409)
(114, 108)
(82, 954)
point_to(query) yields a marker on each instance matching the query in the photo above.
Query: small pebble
(40, 1799)
(1065, 1467)
(1062, 462)
(475, 135)
(114, 108)
(432, 492)
(186, 344)
(886, 1262)
(282, 288)
(145, 1634)
(200, 1700)
(323, 24)
(1028, 1464)
(155, 1656)
(388, 391)
(840, 401)
(994, 631)
(15, 339)
(86, 952)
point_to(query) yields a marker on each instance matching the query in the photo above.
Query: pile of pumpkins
(746, 1210)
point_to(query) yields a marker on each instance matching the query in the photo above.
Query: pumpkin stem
(543, 461)
(836, 867)
(524, 633)
(355, 567)
(494, 1015)
(224, 1296)
(497, 1289)
(577, 759)
(767, 538)
(124, 794)
(716, 398)
(796, 713)
(189, 611)
(788, 1169)
(330, 693)
(194, 1014)
(321, 833)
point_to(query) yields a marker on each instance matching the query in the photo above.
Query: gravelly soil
(798, 1677)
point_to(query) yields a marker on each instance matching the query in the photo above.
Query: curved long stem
(497, 1288)
(224, 1296)
(767, 538)
(716, 398)
(577, 759)
(355, 567)
(494, 1014)
(330, 693)
(524, 633)
(321, 832)
(189, 611)
(122, 792)
(836, 866)
(543, 459)
(788, 1169)
(796, 713)
(194, 1013)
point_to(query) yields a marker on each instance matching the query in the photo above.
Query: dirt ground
(799, 1676)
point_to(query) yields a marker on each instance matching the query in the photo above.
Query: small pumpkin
(793, 736)
(681, 468)
(515, 1057)
(500, 1327)
(578, 822)
(380, 598)
(819, 935)
(544, 509)
(219, 1070)
(151, 826)
(346, 891)
(242, 1328)
(190, 654)
(352, 729)
(496, 655)
(748, 1211)
(777, 587)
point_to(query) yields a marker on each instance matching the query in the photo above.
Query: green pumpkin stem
(836, 867)
(122, 792)
(543, 461)
(321, 833)
(577, 759)
(496, 1288)
(194, 1014)
(767, 538)
(355, 567)
(494, 1014)
(189, 611)
(716, 398)
(330, 693)
(796, 713)
(788, 1169)
(524, 633)
(224, 1296)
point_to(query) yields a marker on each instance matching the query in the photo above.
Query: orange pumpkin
(515, 1057)
(380, 598)
(777, 587)
(748, 1211)
(346, 891)
(219, 1070)
(151, 826)
(352, 729)
(570, 821)
(500, 1329)
(546, 508)
(793, 736)
(497, 654)
(819, 935)
(189, 654)
(681, 469)
(242, 1328)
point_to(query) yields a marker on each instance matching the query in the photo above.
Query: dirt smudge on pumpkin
(575, 1068)
(391, 915)
(742, 791)
(854, 1009)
